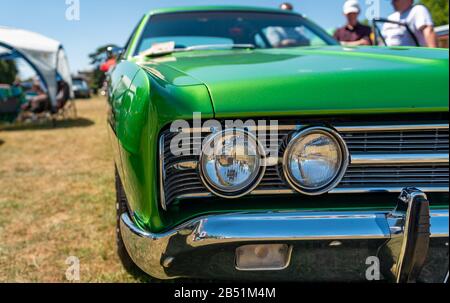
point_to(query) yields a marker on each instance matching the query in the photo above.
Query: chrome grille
(183, 181)
(410, 175)
(398, 141)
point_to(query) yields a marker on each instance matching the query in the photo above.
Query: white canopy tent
(45, 55)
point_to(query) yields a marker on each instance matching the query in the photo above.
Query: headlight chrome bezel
(233, 194)
(337, 178)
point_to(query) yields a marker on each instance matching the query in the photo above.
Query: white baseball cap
(351, 6)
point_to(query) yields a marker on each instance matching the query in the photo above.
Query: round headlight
(315, 160)
(232, 163)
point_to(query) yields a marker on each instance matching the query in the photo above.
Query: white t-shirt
(276, 35)
(417, 17)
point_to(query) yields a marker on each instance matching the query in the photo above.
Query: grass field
(57, 200)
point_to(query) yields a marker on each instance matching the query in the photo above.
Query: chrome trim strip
(343, 190)
(186, 165)
(353, 190)
(148, 249)
(249, 127)
(399, 127)
(360, 159)
(440, 223)
(195, 195)
(356, 190)
(162, 173)
(191, 165)
(416, 158)
(259, 192)
(340, 128)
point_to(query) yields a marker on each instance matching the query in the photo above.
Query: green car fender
(142, 109)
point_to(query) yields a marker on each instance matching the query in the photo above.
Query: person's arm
(424, 23)
(339, 35)
(364, 40)
(360, 42)
(40, 98)
(430, 36)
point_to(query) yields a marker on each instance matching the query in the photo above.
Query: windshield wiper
(162, 49)
(218, 46)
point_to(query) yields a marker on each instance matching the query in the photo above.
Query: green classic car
(249, 145)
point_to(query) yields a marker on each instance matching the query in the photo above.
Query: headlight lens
(232, 163)
(315, 160)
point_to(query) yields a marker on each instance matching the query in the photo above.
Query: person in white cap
(419, 21)
(353, 33)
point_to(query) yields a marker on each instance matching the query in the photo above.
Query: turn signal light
(263, 257)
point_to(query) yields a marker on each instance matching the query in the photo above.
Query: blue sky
(111, 21)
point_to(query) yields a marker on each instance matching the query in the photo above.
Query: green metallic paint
(119, 83)
(147, 94)
(141, 108)
(319, 81)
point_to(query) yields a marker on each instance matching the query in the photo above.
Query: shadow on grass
(2, 142)
(142, 277)
(49, 125)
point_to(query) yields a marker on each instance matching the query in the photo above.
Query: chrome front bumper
(331, 246)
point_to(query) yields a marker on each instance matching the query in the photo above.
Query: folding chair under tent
(46, 56)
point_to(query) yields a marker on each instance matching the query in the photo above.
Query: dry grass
(57, 200)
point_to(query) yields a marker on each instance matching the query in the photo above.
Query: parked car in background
(359, 172)
(442, 33)
(81, 88)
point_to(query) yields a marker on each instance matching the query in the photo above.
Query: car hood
(325, 80)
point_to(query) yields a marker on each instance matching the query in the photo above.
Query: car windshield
(261, 29)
